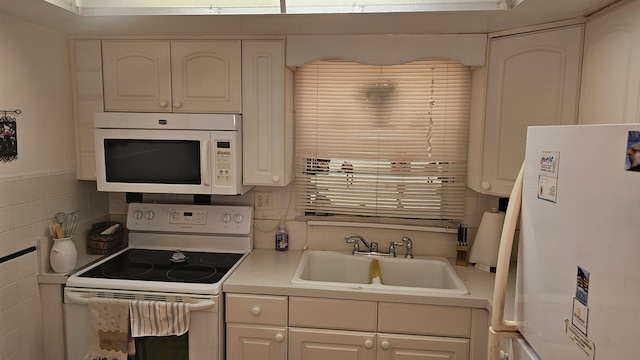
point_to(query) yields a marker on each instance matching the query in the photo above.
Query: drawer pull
(256, 311)
(385, 345)
(368, 344)
(279, 337)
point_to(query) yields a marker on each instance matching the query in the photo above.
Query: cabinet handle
(368, 344)
(275, 178)
(177, 104)
(486, 185)
(279, 337)
(385, 345)
(163, 104)
(256, 311)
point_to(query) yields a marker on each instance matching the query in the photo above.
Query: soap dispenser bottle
(282, 238)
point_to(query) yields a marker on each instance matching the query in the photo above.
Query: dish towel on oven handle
(109, 334)
(159, 318)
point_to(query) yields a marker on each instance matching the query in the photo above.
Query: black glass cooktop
(167, 266)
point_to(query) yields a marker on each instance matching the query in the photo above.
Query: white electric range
(176, 253)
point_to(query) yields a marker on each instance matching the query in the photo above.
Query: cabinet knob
(163, 104)
(275, 178)
(256, 311)
(486, 185)
(279, 337)
(368, 344)
(385, 345)
(177, 104)
(504, 355)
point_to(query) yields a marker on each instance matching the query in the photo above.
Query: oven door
(205, 335)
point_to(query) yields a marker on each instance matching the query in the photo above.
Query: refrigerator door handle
(501, 328)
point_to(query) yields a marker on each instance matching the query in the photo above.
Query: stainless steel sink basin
(428, 275)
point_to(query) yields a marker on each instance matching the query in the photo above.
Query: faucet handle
(353, 239)
(409, 242)
(392, 247)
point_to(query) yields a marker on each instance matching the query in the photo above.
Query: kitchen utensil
(70, 224)
(57, 230)
(60, 217)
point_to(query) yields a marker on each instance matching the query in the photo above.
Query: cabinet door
(206, 76)
(266, 114)
(137, 76)
(87, 99)
(407, 347)
(331, 344)
(246, 342)
(611, 75)
(532, 79)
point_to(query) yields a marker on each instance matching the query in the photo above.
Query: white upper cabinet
(86, 64)
(611, 77)
(532, 79)
(188, 76)
(267, 114)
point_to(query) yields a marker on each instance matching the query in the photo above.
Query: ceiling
(529, 12)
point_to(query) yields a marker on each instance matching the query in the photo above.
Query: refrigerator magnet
(580, 317)
(549, 163)
(582, 285)
(632, 158)
(548, 175)
(579, 339)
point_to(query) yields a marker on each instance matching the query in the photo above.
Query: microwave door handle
(204, 163)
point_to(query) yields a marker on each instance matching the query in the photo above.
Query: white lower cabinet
(307, 328)
(411, 347)
(247, 342)
(355, 345)
(331, 344)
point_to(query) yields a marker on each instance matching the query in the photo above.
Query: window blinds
(382, 141)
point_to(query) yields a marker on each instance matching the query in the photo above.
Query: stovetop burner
(160, 265)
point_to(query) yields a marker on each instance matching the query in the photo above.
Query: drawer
(256, 309)
(424, 319)
(332, 314)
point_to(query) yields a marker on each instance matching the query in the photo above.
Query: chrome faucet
(355, 240)
(409, 242)
(392, 247)
(372, 249)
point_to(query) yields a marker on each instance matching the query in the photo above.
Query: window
(382, 141)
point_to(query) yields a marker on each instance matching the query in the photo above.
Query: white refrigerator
(577, 199)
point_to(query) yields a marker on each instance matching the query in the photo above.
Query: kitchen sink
(428, 275)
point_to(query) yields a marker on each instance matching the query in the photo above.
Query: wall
(302, 234)
(35, 78)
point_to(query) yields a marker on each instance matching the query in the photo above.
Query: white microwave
(169, 153)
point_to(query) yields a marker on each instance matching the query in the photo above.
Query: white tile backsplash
(19, 192)
(38, 188)
(21, 215)
(6, 197)
(25, 215)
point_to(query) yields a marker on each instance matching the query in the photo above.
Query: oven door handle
(75, 298)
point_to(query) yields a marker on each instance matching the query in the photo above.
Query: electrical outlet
(263, 200)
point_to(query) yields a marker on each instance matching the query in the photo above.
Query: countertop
(269, 272)
(46, 275)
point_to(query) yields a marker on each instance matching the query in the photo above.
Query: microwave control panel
(224, 163)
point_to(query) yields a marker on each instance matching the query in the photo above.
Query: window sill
(383, 226)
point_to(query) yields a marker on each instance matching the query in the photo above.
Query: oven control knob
(226, 218)
(149, 215)
(256, 311)
(137, 214)
(238, 218)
